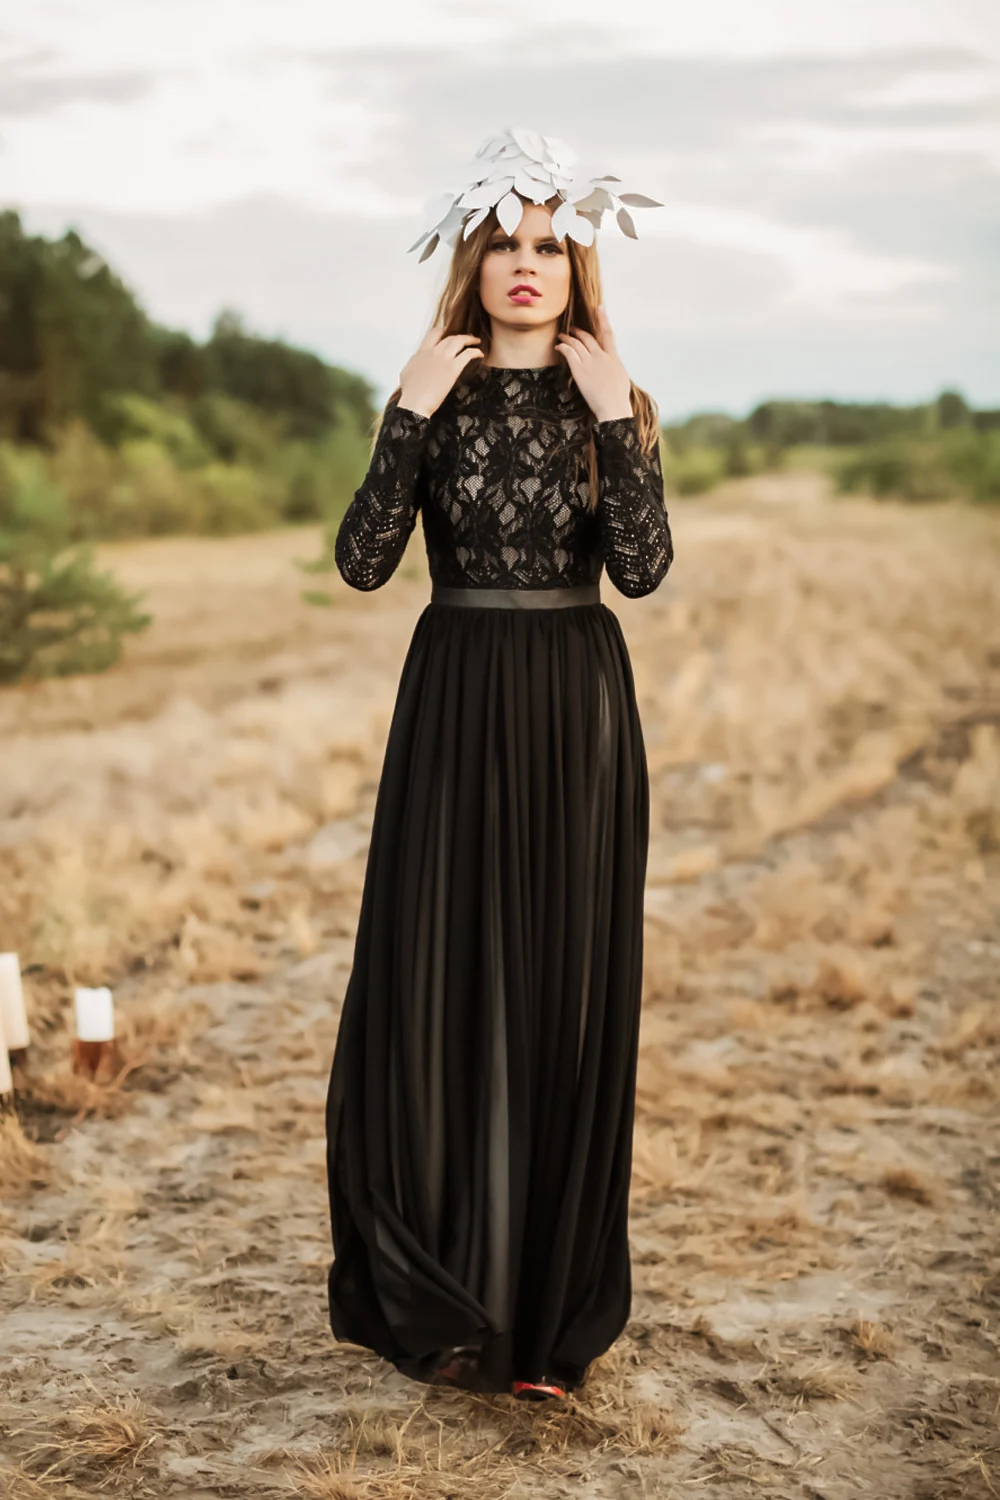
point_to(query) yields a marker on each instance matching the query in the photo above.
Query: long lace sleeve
(376, 526)
(632, 513)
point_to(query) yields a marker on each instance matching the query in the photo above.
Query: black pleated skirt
(481, 1099)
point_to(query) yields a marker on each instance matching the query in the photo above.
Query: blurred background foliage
(112, 427)
(937, 451)
(144, 430)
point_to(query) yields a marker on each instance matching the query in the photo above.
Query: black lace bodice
(500, 476)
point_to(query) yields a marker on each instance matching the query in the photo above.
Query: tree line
(931, 450)
(112, 425)
(73, 338)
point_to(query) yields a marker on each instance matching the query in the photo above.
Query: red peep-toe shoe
(537, 1390)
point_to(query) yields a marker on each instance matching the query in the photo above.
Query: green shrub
(306, 479)
(130, 417)
(695, 471)
(973, 458)
(58, 613)
(88, 475)
(153, 497)
(233, 431)
(736, 455)
(233, 499)
(905, 469)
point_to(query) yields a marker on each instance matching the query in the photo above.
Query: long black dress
(481, 1098)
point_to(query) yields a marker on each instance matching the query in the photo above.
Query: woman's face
(530, 257)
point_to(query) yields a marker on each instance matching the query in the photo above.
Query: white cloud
(236, 114)
(826, 272)
(809, 147)
(196, 140)
(949, 86)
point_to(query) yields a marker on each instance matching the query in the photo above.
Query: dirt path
(817, 1151)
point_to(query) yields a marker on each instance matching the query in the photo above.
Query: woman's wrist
(613, 416)
(413, 404)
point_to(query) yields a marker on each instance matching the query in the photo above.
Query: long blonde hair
(460, 310)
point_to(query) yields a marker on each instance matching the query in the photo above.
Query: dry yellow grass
(812, 1205)
(22, 1165)
(93, 1443)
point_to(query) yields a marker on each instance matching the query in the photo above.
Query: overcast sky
(830, 173)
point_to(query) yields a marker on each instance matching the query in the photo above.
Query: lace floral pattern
(499, 474)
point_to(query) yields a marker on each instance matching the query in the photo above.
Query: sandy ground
(817, 1153)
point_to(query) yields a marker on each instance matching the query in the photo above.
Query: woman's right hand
(429, 375)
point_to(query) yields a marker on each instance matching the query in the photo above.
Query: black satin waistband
(584, 593)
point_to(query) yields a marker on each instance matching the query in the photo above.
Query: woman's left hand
(603, 379)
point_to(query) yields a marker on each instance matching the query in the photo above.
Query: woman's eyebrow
(541, 239)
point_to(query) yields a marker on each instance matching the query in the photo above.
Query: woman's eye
(509, 245)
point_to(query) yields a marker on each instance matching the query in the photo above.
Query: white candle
(13, 1016)
(95, 1016)
(6, 1081)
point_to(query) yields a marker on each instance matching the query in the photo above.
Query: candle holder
(98, 1061)
(95, 1050)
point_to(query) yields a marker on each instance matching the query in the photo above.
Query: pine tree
(58, 613)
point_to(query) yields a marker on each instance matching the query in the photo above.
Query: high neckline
(524, 369)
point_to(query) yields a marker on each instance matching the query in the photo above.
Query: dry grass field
(816, 1184)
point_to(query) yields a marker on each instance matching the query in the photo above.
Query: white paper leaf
(474, 222)
(625, 221)
(599, 199)
(515, 166)
(531, 144)
(451, 222)
(580, 230)
(487, 193)
(509, 212)
(491, 144)
(530, 187)
(577, 187)
(563, 216)
(559, 152)
(436, 208)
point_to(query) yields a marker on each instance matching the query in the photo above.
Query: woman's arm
(631, 507)
(376, 527)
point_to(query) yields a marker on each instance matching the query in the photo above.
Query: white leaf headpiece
(536, 167)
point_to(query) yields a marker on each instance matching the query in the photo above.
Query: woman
(479, 1118)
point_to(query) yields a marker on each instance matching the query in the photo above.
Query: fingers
(589, 340)
(455, 344)
(436, 335)
(470, 354)
(576, 351)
